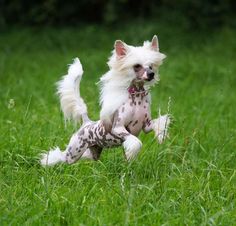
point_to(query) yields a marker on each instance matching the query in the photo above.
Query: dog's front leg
(131, 143)
(159, 126)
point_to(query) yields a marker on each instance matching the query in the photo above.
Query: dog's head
(137, 63)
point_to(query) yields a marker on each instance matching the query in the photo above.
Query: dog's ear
(120, 48)
(155, 44)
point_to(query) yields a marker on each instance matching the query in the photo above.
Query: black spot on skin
(144, 106)
(116, 137)
(127, 128)
(139, 103)
(148, 122)
(146, 115)
(91, 133)
(123, 134)
(81, 133)
(83, 144)
(69, 154)
(135, 123)
(100, 133)
(129, 123)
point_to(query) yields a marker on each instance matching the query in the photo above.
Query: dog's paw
(132, 146)
(160, 127)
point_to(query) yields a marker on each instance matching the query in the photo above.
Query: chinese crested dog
(125, 105)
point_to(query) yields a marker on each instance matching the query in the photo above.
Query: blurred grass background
(189, 180)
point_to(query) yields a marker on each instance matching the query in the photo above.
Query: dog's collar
(137, 90)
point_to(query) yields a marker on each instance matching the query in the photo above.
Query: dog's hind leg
(92, 153)
(76, 148)
(87, 154)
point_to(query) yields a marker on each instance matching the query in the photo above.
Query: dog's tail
(53, 157)
(72, 104)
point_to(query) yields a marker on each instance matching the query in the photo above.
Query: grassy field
(188, 180)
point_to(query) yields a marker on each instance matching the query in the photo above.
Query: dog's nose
(150, 75)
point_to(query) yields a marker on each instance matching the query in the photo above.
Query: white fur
(132, 146)
(160, 127)
(113, 93)
(143, 55)
(53, 157)
(72, 104)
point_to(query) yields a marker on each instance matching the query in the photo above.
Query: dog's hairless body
(125, 123)
(129, 119)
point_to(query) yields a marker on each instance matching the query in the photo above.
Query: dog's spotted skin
(130, 118)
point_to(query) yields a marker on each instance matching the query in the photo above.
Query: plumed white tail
(53, 157)
(72, 104)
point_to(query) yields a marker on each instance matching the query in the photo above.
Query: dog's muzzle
(150, 74)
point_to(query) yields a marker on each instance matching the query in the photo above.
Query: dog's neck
(137, 87)
(114, 92)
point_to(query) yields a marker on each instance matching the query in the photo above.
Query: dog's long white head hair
(122, 63)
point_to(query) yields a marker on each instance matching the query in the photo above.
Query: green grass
(188, 180)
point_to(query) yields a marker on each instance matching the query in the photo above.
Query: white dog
(125, 102)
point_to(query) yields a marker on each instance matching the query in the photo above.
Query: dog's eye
(137, 67)
(150, 67)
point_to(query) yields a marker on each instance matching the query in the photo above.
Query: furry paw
(160, 127)
(132, 146)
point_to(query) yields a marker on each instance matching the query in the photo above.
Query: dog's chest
(135, 113)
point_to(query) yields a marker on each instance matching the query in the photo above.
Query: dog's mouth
(145, 79)
(149, 78)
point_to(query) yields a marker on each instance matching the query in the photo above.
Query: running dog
(125, 105)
